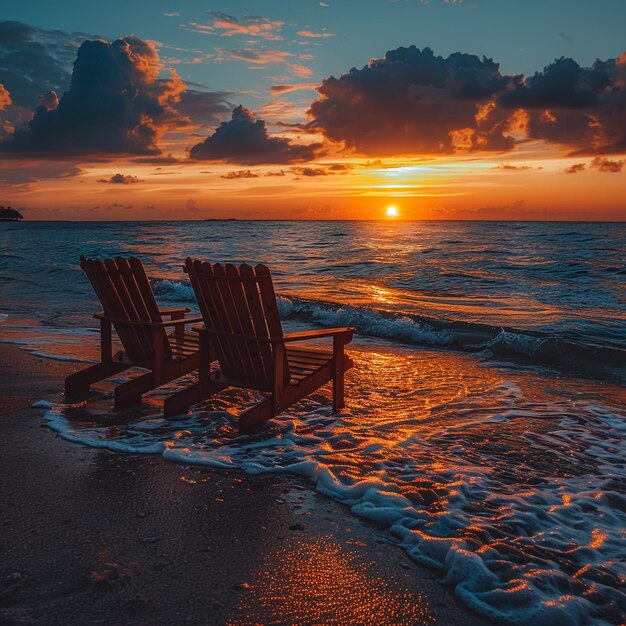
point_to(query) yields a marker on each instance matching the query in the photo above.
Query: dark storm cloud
(115, 101)
(413, 101)
(120, 179)
(245, 140)
(582, 109)
(562, 85)
(115, 105)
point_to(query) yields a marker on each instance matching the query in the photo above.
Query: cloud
(158, 160)
(203, 108)
(412, 101)
(607, 165)
(116, 104)
(239, 174)
(278, 89)
(310, 35)
(251, 26)
(574, 168)
(310, 171)
(36, 66)
(335, 168)
(24, 172)
(245, 140)
(562, 84)
(120, 179)
(515, 168)
(35, 60)
(5, 97)
(49, 100)
(582, 109)
(262, 58)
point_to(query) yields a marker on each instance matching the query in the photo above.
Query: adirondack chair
(130, 308)
(242, 327)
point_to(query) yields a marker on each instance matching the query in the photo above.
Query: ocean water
(486, 420)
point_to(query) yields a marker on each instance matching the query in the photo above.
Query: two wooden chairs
(239, 344)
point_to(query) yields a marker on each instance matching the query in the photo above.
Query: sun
(392, 211)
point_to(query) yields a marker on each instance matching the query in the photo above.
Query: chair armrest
(115, 320)
(182, 310)
(186, 320)
(347, 332)
(319, 334)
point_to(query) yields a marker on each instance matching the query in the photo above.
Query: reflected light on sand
(322, 582)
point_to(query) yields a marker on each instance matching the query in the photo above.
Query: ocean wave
(546, 349)
(519, 343)
(367, 321)
(173, 290)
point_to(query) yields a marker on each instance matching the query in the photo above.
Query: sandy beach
(91, 536)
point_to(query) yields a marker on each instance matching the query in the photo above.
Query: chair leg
(255, 417)
(80, 382)
(339, 401)
(129, 394)
(180, 401)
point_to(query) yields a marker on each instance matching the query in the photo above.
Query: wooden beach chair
(242, 327)
(130, 308)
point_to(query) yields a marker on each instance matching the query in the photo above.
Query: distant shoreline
(384, 220)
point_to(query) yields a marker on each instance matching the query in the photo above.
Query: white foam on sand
(527, 529)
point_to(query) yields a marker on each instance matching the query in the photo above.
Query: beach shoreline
(96, 536)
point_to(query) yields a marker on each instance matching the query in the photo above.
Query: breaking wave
(544, 348)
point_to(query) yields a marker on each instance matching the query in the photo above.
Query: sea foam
(515, 494)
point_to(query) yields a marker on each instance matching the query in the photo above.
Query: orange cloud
(5, 98)
(263, 57)
(310, 35)
(251, 26)
(278, 89)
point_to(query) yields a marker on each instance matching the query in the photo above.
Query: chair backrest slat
(240, 348)
(125, 294)
(257, 317)
(241, 302)
(228, 347)
(254, 364)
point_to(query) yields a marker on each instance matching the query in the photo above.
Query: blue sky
(523, 36)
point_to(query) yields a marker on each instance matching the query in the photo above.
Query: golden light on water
(392, 211)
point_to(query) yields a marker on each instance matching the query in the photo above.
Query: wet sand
(91, 536)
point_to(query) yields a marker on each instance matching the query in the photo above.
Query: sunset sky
(445, 109)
